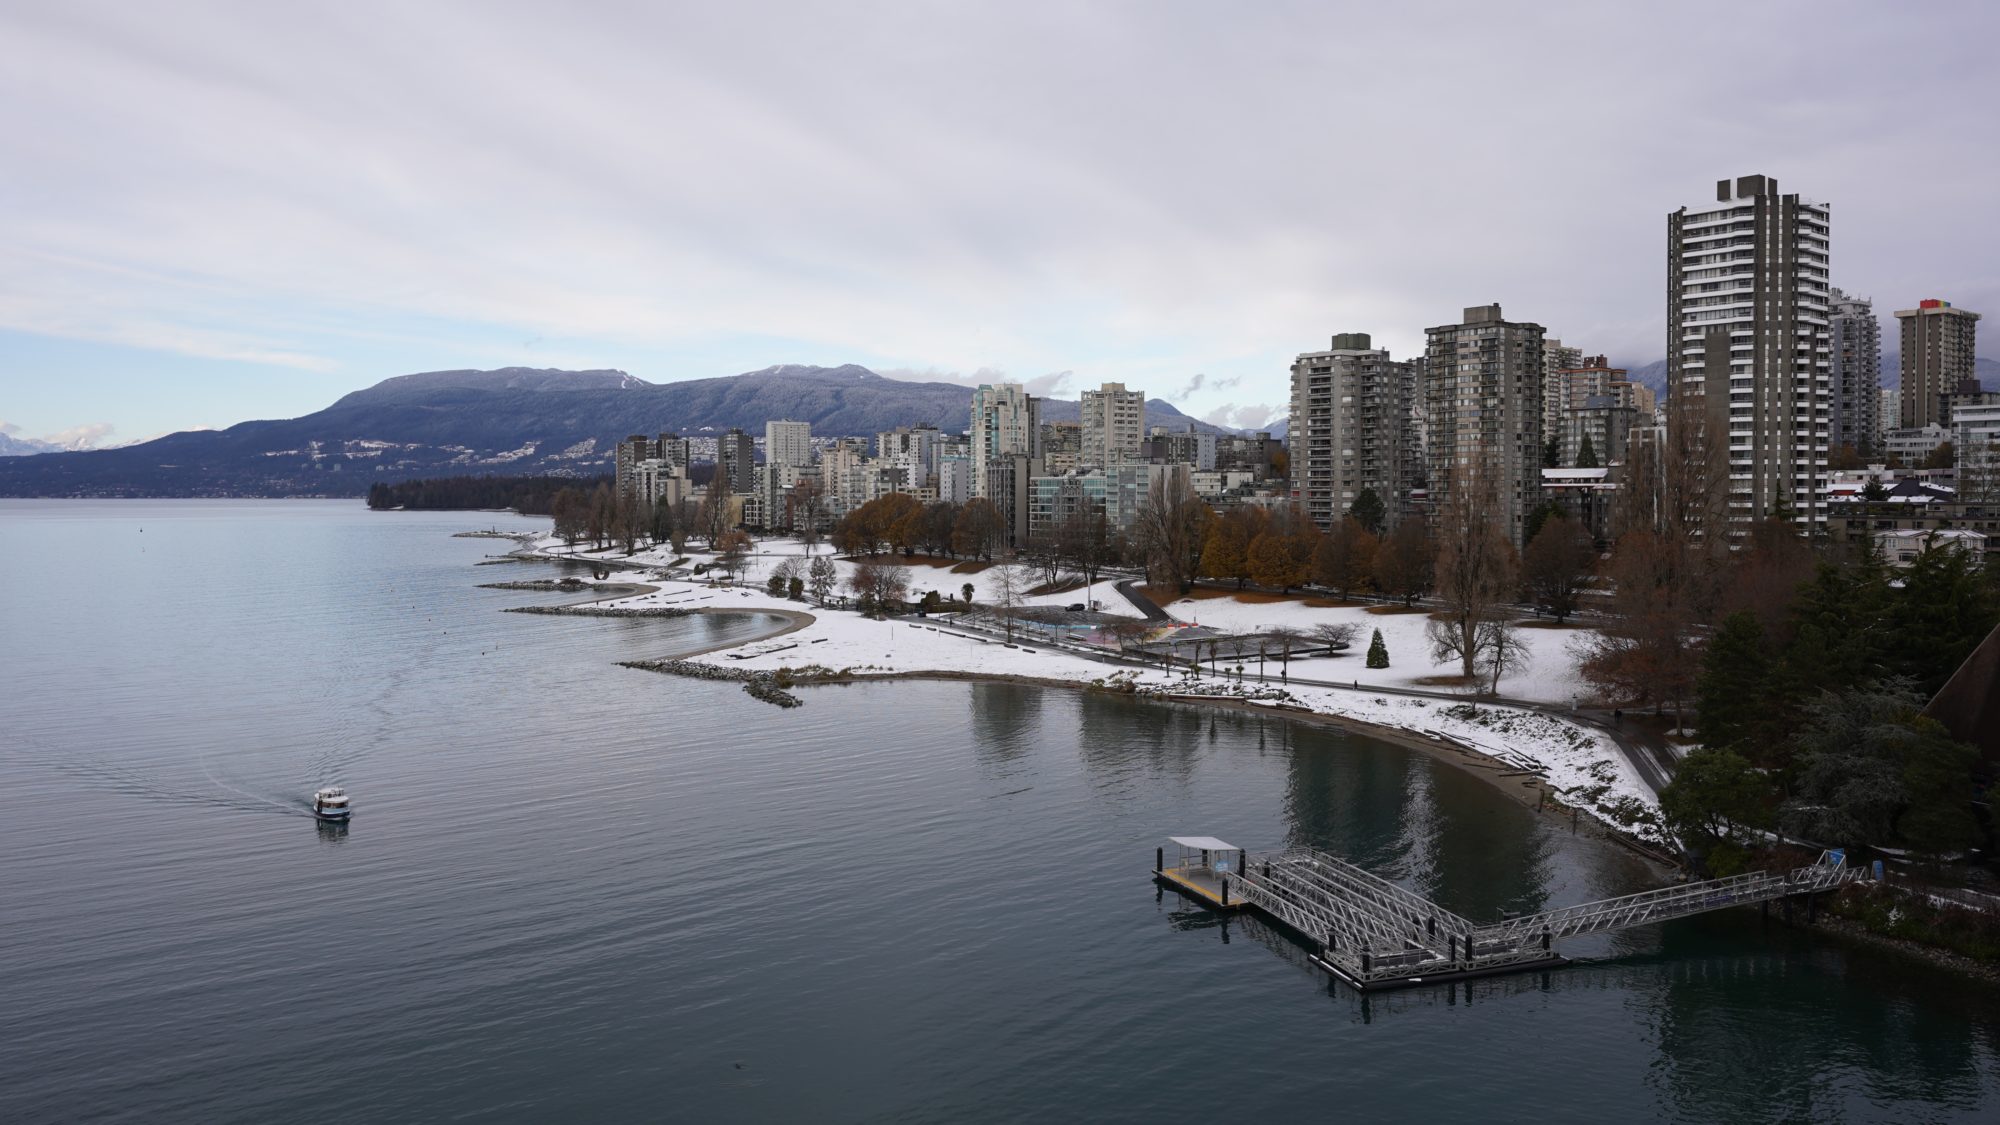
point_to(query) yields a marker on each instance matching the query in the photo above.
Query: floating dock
(1373, 934)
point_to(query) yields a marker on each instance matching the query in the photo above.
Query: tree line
(1806, 663)
(530, 496)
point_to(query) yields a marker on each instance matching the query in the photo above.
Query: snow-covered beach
(1532, 754)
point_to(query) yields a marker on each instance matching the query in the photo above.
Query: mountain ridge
(512, 421)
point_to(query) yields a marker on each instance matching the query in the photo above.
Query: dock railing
(1371, 930)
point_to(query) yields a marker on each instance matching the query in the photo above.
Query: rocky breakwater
(601, 610)
(767, 686)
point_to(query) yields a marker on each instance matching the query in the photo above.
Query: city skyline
(249, 236)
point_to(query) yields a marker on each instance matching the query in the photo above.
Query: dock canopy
(1204, 843)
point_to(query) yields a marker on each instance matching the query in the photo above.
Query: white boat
(330, 803)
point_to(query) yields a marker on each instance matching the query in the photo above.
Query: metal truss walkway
(1374, 934)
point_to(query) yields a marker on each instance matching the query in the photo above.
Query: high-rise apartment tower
(736, 460)
(788, 443)
(1006, 422)
(1937, 356)
(1854, 386)
(1483, 411)
(1114, 425)
(1747, 351)
(1350, 428)
(1556, 356)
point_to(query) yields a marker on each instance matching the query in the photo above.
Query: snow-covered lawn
(1576, 759)
(1550, 676)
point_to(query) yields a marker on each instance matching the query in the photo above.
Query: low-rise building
(1912, 445)
(1902, 546)
(1922, 507)
(1588, 493)
(1119, 491)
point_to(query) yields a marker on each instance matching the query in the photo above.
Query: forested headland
(530, 496)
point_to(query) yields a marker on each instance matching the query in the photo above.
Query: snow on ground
(1576, 760)
(1550, 677)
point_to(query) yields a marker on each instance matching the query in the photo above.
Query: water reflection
(1343, 797)
(1480, 855)
(331, 831)
(1006, 723)
(1900, 1036)
(1125, 742)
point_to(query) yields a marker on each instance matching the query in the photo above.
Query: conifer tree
(1378, 653)
(1735, 675)
(1368, 511)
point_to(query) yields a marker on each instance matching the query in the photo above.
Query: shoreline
(795, 619)
(1528, 790)
(1540, 759)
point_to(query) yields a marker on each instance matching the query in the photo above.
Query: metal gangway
(1372, 933)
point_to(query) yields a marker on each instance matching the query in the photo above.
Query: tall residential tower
(1483, 411)
(1114, 425)
(1006, 423)
(1747, 349)
(1937, 357)
(1854, 386)
(1350, 428)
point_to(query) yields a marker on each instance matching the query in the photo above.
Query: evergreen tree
(1378, 653)
(1842, 617)
(1586, 455)
(1368, 511)
(1552, 454)
(1540, 514)
(1735, 677)
(1943, 610)
(1714, 794)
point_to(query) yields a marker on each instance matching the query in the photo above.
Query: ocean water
(577, 891)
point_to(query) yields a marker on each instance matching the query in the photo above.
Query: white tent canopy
(1204, 843)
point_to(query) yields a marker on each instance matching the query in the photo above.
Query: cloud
(1249, 416)
(935, 375)
(82, 437)
(1056, 384)
(685, 192)
(1200, 382)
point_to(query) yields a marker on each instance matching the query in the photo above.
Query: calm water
(572, 890)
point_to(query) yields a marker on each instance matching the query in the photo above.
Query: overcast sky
(215, 212)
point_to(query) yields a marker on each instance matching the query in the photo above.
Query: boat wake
(96, 773)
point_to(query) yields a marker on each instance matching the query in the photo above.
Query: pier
(1373, 934)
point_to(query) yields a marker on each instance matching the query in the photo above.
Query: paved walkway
(1145, 605)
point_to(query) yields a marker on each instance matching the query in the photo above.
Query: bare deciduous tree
(978, 530)
(1501, 650)
(879, 587)
(1345, 557)
(1008, 584)
(1170, 530)
(1476, 568)
(1557, 566)
(807, 504)
(1336, 634)
(732, 552)
(715, 508)
(1084, 541)
(1405, 562)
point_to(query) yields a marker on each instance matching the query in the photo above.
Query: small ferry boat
(330, 803)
